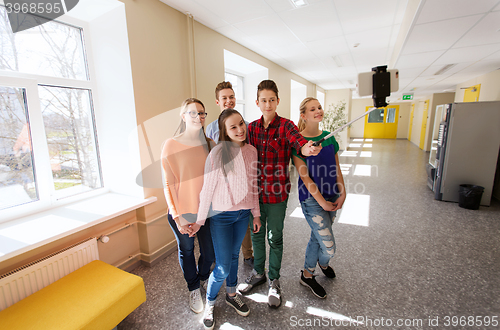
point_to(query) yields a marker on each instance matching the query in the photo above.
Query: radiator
(28, 279)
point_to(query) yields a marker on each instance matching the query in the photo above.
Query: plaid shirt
(274, 146)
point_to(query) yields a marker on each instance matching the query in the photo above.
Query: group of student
(233, 181)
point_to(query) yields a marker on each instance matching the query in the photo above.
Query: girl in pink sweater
(182, 159)
(230, 186)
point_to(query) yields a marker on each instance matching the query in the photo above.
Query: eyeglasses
(195, 114)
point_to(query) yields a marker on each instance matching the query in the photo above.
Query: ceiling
(328, 42)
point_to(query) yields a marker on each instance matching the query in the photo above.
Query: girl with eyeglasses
(183, 159)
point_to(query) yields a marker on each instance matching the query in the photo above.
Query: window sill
(30, 232)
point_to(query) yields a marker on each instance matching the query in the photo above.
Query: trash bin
(469, 196)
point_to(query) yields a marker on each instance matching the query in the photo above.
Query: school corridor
(403, 260)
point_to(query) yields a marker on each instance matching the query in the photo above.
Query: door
(382, 123)
(424, 125)
(411, 120)
(472, 93)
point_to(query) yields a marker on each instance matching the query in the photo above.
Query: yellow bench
(96, 296)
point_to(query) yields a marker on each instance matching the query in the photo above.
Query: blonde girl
(321, 194)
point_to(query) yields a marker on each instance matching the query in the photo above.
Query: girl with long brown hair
(230, 186)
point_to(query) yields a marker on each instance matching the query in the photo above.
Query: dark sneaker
(252, 281)
(274, 295)
(208, 317)
(311, 283)
(235, 302)
(249, 262)
(328, 271)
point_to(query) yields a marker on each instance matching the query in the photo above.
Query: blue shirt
(322, 168)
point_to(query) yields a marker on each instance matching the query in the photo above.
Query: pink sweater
(242, 192)
(183, 173)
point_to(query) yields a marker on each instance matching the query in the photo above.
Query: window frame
(41, 161)
(239, 101)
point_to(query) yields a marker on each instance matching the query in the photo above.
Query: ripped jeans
(321, 246)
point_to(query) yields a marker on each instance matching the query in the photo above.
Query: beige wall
(490, 87)
(332, 97)
(357, 129)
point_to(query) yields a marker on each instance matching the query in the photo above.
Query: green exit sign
(407, 96)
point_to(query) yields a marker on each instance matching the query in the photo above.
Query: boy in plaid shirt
(274, 137)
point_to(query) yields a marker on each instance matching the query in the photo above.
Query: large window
(244, 75)
(48, 138)
(298, 93)
(238, 83)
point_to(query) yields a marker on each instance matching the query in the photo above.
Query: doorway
(382, 123)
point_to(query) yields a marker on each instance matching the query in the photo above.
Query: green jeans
(272, 217)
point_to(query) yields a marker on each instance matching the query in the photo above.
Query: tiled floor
(401, 257)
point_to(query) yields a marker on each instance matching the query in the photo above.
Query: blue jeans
(228, 230)
(185, 247)
(321, 246)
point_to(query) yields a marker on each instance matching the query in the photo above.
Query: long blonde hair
(301, 125)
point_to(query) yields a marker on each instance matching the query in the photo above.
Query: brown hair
(182, 126)
(221, 86)
(227, 154)
(301, 125)
(269, 85)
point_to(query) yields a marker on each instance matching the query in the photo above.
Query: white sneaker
(195, 301)
(208, 317)
(274, 295)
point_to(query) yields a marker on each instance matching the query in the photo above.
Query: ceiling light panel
(280, 5)
(444, 69)
(299, 3)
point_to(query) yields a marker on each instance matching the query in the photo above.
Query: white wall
(252, 80)
(298, 92)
